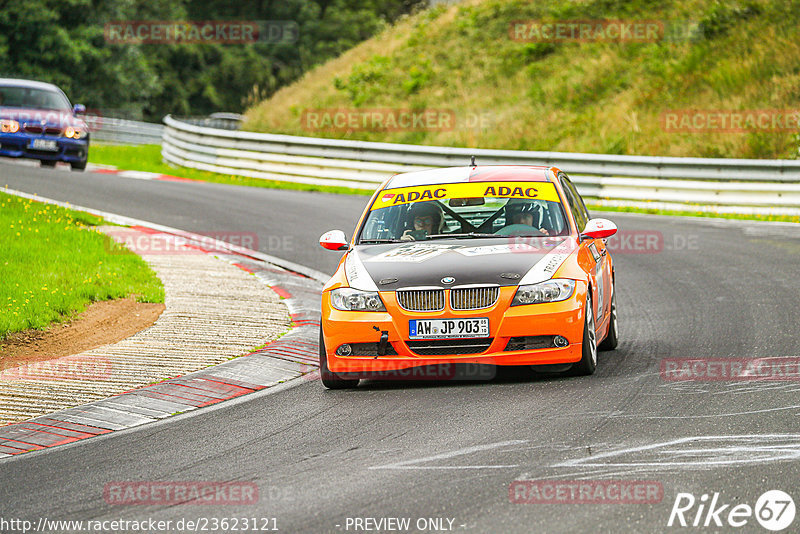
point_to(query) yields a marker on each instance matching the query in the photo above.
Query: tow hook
(383, 343)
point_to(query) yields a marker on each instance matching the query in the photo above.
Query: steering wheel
(520, 229)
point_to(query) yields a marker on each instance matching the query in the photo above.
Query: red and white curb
(98, 168)
(138, 175)
(293, 355)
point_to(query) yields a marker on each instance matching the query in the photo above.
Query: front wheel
(79, 166)
(330, 379)
(588, 362)
(47, 163)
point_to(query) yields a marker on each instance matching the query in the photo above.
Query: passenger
(525, 212)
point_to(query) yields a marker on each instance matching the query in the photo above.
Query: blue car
(37, 121)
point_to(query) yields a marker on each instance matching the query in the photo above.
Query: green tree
(63, 42)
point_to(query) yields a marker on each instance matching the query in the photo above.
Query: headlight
(550, 291)
(348, 299)
(9, 126)
(74, 133)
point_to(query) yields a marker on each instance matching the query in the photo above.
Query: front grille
(37, 129)
(421, 299)
(370, 349)
(473, 298)
(442, 347)
(530, 343)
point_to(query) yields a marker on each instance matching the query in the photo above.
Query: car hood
(502, 261)
(43, 117)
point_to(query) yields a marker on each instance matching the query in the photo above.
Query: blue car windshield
(32, 98)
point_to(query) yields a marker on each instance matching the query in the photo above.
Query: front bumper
(18, 145)
(563, 318)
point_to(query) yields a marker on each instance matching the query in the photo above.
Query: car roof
(18, 82)
(479, 173)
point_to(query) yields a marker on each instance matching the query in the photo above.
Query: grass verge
(690, 213)
(55, 262)
(502, 88)
(148, 158)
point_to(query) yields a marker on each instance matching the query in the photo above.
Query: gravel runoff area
(215, 311)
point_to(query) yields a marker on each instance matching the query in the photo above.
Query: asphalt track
(451, 450)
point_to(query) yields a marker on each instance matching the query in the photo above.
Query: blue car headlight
(75, 133)
(9, 126)
(349, 299)
(549, 291)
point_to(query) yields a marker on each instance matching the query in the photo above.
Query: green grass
(596, 97)
(54, 262)
(148, 158)
(689, 213)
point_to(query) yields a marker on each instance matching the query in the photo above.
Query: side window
(578, 198)
(576, 205)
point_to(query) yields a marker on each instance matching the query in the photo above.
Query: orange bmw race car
(497, 265)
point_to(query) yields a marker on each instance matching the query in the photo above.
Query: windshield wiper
(377, 241)
(460, 236)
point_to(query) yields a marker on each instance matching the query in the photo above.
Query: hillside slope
(602, 97)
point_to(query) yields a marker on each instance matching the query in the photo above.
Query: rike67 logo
(774, 510)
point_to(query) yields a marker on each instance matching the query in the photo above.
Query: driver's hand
(407, 236)
(544, 231)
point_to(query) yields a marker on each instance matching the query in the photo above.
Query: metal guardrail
(725, 185)
(220, 120)
(123, 131)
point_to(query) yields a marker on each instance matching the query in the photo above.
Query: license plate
(448, 328)
(44, 144)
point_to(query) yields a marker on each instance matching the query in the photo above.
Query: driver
(426, 217)
(525, 212)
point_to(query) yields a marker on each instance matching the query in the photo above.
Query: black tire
(47, 163)
(80, 166)
(588, 362)
(331, 380)
(612, 338)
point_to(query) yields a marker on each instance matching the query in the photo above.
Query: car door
(597, 249)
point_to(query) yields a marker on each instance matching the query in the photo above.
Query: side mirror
(334, 240)
(599, 229)
(78, 109)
